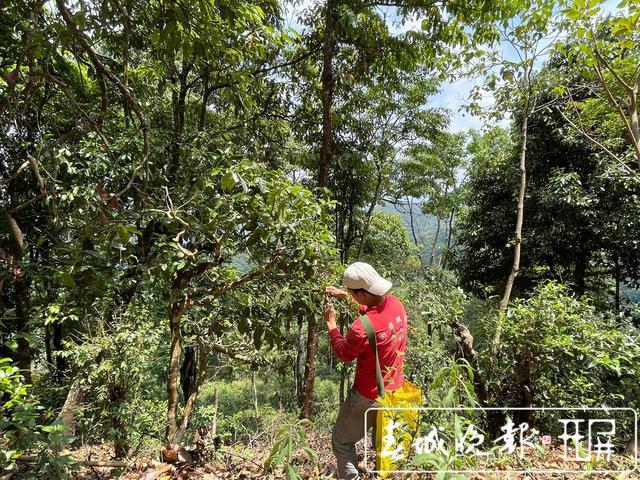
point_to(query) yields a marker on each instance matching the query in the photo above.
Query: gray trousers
(348, 430)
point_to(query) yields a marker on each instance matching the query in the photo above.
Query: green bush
(290, 449)
(566, 353)
(120, 371)
(27, 429)
(432, 303)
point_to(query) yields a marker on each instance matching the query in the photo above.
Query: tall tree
(358, 30)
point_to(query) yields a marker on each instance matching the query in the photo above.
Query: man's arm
(349, 347)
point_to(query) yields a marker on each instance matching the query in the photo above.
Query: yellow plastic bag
(396, 429)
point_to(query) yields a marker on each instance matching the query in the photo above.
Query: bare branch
(16, 173)
(597, 143)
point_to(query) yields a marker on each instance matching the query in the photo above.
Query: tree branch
(212, 293)
(124, 91)
(16, 173)
(28, 202)
(615, 74)
(597, 143)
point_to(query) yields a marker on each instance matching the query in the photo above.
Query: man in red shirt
(389, 320)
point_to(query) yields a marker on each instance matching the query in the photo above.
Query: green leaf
(292, 473)
(67, 280)
(573, 13)
(228, 181)
(628, 44)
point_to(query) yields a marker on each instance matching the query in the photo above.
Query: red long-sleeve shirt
(389, 321)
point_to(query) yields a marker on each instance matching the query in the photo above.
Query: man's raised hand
(335, 292)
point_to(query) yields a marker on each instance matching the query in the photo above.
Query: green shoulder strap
(371, 335)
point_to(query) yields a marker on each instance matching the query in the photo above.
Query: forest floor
(239, 462)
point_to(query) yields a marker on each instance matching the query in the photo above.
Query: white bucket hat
(362, 275)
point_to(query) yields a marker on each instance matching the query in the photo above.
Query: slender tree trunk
(61, 363)
(326, 159)
(47, 345)
(632, 125)
(635, 125)
(206, 73)
(213, 432)
(411, 221)
(413, 231)
(53, 332)
(519, 219)
(516, 249)
(435, 242)
(310, 370)
(374, 202)
(617, 275)
(255, 392)
(178, 99)
(326, 151)
(449, 230)
(175, 352)
(298, 368)
(125, 66)
(348, 238)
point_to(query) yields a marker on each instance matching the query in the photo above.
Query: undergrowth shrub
(564, 353)
(28, 429)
